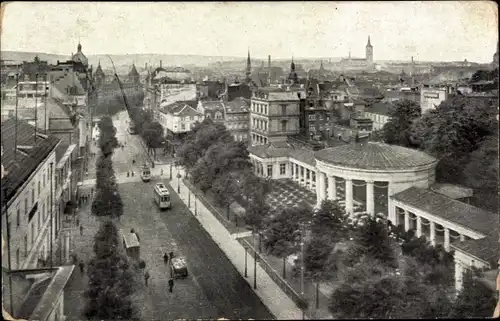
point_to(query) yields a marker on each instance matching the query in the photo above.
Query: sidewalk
(270, 293)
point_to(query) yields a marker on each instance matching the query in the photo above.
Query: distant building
(237, 118)
(359, 63)
(274, 114)
(178, 119)
(430, 98)
(379, 114)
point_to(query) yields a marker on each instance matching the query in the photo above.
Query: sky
(428, 31)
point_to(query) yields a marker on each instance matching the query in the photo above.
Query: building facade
(274, 114)
(430, 98)
(237, 119)
(31, 203)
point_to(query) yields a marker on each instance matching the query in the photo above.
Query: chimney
(160, 63)
(146, 66)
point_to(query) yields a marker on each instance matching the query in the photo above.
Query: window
(38, 220)
(265, 110)
(183, 126)
(25, 245)
(283, 109)
(312, 127)
(312, 117)
(32, 233)
(26, 206)
(39, 184)
(18, 217)
(270, 170)
(44, 179)
(282, 169)
(17, 258)
(32, 196)
(48, 208)
(283, 125)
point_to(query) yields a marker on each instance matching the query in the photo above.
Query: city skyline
(439, 31)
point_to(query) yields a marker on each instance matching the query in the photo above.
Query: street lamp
(189, 198)
(246, 269)
(302, 230)
(195, 209)
(170, 171)
(179, 183)
(254, 262)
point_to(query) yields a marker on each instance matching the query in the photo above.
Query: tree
(223, 189)
(282, 235)
(481, 173)
(475, 300)
(369, 290)
(105, 174)
(111, 279)
(107, 137)
(453, 130)
(107, 202)
(330, 222)
(316, 256)
(372, 236)
(397, 129)
(153, 135)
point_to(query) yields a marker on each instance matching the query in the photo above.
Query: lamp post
(254, 262)
(170, 171)
(189, 198)
(246, 266)
(302, 266)
(179, 183)
(195, 208)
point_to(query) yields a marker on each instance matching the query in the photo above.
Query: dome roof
(80, 57)
(373, 155)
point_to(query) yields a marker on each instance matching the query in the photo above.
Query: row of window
(313, 117)
(259, 124)
(258, 140)
(259, 108)
(237, 126)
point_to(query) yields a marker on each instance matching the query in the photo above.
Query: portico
(380, 170)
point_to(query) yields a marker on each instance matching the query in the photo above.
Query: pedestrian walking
(82, 266)
(171, 254)
(81, 230)
(77, 221)
(91, 192)
(170, 285)
(165, 257)
(146, 277)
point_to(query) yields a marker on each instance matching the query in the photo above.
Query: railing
(274, 275)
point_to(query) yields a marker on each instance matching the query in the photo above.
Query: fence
(274, 275)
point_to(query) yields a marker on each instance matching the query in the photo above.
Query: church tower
(248, 79)
(369, 52)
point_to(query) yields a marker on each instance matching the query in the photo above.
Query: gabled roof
(449, 209)
(20, 166)
(180, 110)
(238, 105)
(133, 72)
(212, 105)
(486, 249)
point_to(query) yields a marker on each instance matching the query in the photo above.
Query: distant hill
(121, 60)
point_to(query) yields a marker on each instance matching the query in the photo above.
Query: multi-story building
(212, 109)
(29, 197)
(430, 97)
(275, 114)
(178, 119)
(378, 113)
(237, 118)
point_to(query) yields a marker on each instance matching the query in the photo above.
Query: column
(462, 238)
(348, 196)
(459, 273)
(332, 188)
(66, 246)
(446, 239)
(407, 220)
(433, 233)
(322, 185)
(370, 201)
(392, 214)
(318, 190)
(297, 172)
(419, 226)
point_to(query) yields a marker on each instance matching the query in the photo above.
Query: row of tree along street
(112, 276)
(462, 132)
(151, 131)
(116, 104)
(378, 270)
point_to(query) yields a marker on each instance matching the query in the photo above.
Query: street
(213, 289)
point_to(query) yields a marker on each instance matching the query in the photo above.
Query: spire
(79, 47)
(369, 44)
(249, 69)
(292, 65)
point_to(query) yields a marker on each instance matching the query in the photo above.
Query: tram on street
(145, 173)
(162, 196)
(131, 244)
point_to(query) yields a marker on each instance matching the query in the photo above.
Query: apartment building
(274, 114)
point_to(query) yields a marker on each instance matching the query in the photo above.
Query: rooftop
(212, 105)
(460, 213)
(486, 249)
(237, 105)
(20, 165)
(374, 156)
(379, 108)
(452, 191)
(35, 291)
